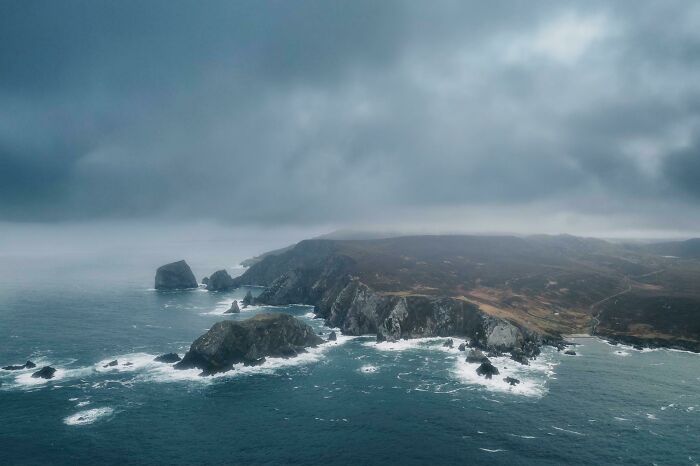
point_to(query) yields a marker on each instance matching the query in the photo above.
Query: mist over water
(354, 401)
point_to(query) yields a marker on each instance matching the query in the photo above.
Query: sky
(441, 116)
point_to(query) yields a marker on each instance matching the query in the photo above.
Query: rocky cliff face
(248, 341)
(322, 278)
(175, 276)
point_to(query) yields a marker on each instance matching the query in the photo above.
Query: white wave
(88, 416)
(533, 378)
(622, 353)
(412, 344)
(82, 403)
(368, 369)
(488, 450)
(567, 431)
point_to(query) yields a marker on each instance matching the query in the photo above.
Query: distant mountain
(688, 249)
(543, 285)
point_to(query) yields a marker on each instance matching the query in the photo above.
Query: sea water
(352, 401)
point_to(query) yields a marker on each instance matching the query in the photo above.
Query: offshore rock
(487, 369)
(175, 276)
(45, 372)
(167, 358)
(512, 380)
(247, 299)
(248, 341)
(234, 309)
(220, 281)
(26, 365)
(332, 336)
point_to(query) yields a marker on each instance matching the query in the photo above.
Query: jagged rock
(175, 276)
(111, 363)
(26, 365)
(248, 299)
(462, 347)
(220, 281)
(332, 336)
(248, 341)
(570, 352)
(45, 372)
(234, 309)
(476, 355)
(512, 380)
(128, 363)
(167, 358)
(205, 281)
(638, 347)
(487, 369)
(518, 355)
(448, 343)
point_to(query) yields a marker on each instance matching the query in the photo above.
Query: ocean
(349, 402)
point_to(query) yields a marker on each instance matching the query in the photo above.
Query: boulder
(220, 281)
(175, 276)
(570, 352)
(248, 299)
(111, 363)
(332, 336)
(248, 341)
(26, 365)
(462, 347)
(487, 369)
(234, 309)
(519, 355)
(512, 380)
(45, 372)
(476, 355)
(167, 358)
(448, 343)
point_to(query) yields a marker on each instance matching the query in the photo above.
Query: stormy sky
(579, 117)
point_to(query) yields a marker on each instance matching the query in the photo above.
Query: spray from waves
(133, 368)
(533, 378)
(88, 416)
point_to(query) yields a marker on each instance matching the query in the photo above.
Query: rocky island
(249, 342)
(175, 276)
(502, 293)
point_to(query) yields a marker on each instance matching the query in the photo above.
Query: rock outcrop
(220, 281)
(234, 309)
(248, 299)
(511, 380)
(248, 341)
(111, 364)
(175, 276)
(332, 336)
(45, 372)
(168, 358)
(476, 356)
(26, 365)
(487, 370)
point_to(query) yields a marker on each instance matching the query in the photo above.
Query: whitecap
(567, 431)
(488, 450)
(368, 369)
(88, 416)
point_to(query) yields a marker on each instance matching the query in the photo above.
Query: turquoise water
(354, 402)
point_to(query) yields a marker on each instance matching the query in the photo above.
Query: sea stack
(220, 281)
(248, 341)
(175, 276)
(234, 309)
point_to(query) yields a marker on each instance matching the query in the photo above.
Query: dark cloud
(312, 112)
